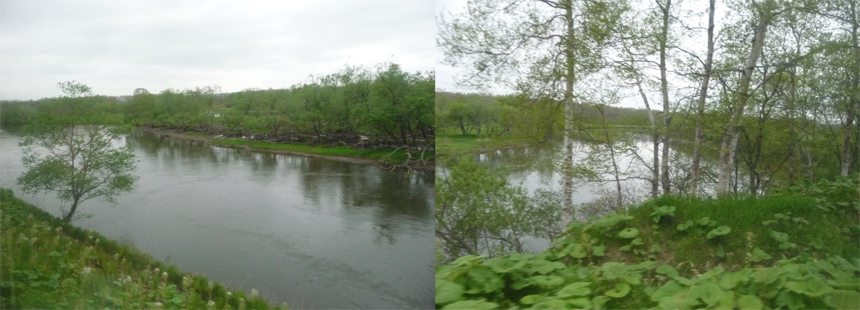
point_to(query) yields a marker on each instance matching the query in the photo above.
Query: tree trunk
(68, 218)
(730, 136)
(853, 101)
(700, 109)
(664, 89)
(567, 163)
(655, 170)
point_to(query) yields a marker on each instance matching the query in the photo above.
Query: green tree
(479, 212)
(77, 162)
(557, 43)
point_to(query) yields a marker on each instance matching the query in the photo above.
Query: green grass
(451, 142)
(384, 155)
(47, 264)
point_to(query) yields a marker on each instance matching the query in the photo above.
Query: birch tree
(764, 15)
(539, 47)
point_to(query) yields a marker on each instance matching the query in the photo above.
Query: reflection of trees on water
(392, 201)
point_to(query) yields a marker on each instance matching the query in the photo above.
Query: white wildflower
(157, 304)
(87, 270)
(210, 304)
(254, 292)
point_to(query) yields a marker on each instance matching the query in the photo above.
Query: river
(537, 167)
(311, 232)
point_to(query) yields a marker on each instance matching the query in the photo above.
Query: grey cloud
(116, 46)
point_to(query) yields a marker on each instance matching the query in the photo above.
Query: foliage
(47, 263)
(700, 253)
(478, 212)
(77, 162)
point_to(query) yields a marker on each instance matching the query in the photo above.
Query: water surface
(311, 232)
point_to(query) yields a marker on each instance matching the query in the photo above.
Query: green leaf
(719, 231)
(177, 300)
(813, 287)
(575, 289)
(843, 299)
(468, 260)
(750, 302)
(579, 303)
(759, 255)
(447, 291)
(578, 251)
(787, 246)
(531, 299)
(628, 233)
(637, 241)
(767, 275)
(504, 264)
(779, 236)
(684, 226)
(598, 250)
(817, 244)
(620, 290)
(541, 266)
(667, 270)
(612, 220)
(704, 221)
(547, 281)
(481, 304)
(485, 280)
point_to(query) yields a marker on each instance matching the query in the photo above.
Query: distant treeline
(381, 106)
(517, 115)
(763, 145)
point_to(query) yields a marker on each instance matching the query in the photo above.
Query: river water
(537, 167)
(313, 233)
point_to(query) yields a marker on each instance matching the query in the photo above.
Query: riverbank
(50, 264)
(387, 158)
(450, 144)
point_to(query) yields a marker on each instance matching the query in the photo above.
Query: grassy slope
(628, 261)
(47, 265)
(384, 155)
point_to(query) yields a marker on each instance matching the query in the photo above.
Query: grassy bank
(451, 142)
(793, 250)
(50, 265)
(389, 156)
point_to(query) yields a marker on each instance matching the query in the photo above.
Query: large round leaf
(575, 289)
(620, 290)
(447, 291)
(628, 233)
(779, 236)
(719, 231)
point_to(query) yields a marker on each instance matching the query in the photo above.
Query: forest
(358, 107)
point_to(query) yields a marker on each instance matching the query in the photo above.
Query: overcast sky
(118, 46)
(446, 75)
